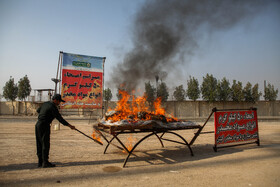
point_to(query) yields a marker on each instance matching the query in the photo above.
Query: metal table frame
(153, 131)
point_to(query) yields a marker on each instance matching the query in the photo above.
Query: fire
(129, 143)
(96, 136)
(158, 109)
(128, 107)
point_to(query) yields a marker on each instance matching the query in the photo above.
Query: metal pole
(60, 71)
(104, 58)
(56, 79)
(200, 129)
(89, 137)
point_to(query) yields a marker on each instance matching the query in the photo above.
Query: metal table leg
(186, 143)
(130, 152)
(159, 138)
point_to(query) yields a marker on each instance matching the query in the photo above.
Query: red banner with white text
(82, 81)
(236, 126)
(81, 89)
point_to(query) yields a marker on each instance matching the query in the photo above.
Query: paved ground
(81, 162)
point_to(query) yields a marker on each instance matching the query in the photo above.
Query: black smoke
(166, 34)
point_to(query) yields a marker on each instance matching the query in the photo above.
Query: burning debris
(137, 110)
(143, 115)
(136, 115)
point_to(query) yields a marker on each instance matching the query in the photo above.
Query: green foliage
(237, 94)
(247, 91)
(223, 90)
(209, 88)
(10, 90)
(150, 92)
(162, 92)
(255, 93)
(251, 94)
(193, 91)
(24, 88)
(270, 94)
(179, 93)
(107, 94)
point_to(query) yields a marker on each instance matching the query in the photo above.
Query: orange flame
(96, 136)
(129, 106)
(129, 143)
(158, 109)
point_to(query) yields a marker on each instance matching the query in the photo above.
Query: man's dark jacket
(47, 112)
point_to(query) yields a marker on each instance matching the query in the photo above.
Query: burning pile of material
(136, 113)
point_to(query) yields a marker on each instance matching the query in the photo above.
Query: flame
(96, 136)
(129, 143)
(158, 109)
(129, 107)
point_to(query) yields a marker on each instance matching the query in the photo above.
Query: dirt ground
(81, 162)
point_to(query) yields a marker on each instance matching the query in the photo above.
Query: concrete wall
(183, 109)
(6, 108)
(203, 108)
(187, 109)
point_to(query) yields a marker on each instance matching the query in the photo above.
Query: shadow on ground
(160, 156)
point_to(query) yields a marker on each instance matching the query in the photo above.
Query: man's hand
(72, 127)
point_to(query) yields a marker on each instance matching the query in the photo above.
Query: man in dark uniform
(47, 112)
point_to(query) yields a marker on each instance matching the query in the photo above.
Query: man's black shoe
(48, 165)
(40, 164)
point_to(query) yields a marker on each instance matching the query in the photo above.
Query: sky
(32, 32)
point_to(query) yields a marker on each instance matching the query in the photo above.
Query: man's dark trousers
(43, 141)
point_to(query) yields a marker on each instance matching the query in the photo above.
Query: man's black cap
(57, 97)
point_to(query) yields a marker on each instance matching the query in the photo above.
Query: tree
(193, 91)
(24, 90)
(270, 94)
(223, 90)
(209, 88)
(150, 92)
(108, 94)
(10, 91)
(179, 93)
(237, 94)
(247, 91)
(162, 92)
(255, 93)
(107, 97)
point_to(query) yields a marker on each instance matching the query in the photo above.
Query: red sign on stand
(81, 89)
(236, 126)
(82, 81)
